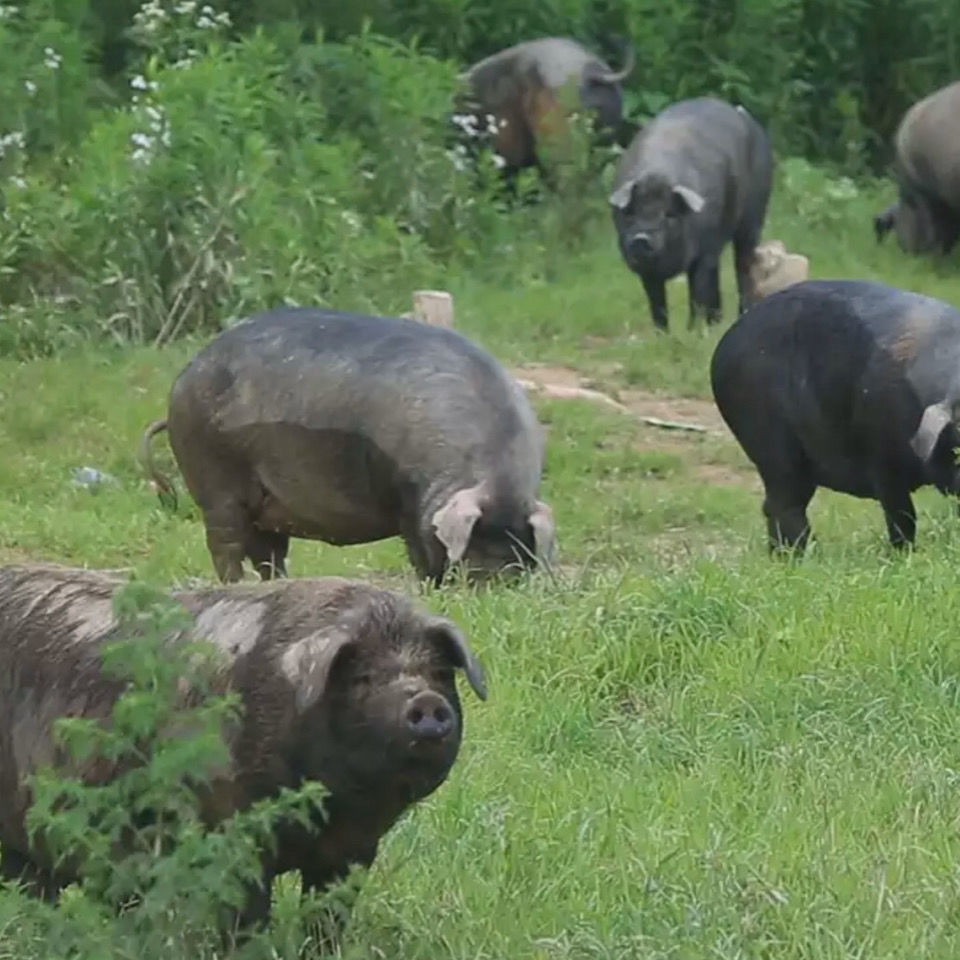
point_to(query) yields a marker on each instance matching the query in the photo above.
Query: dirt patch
(641, 403)
(645, 403)
(545, 376)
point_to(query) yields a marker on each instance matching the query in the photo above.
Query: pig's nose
(641, 242)
(429, 716)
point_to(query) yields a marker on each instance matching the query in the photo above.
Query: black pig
(848, 385)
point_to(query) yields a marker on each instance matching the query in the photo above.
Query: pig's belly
(324, 485)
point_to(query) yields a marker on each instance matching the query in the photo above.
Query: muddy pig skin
(350, 429)
(844, 384)
(340, 682)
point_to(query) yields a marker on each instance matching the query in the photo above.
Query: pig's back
(398, 383)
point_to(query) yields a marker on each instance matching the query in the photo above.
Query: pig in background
(844, 384)
(345, 428)
(926, 215)
(520, 88)
(340, 682)
(695, 178)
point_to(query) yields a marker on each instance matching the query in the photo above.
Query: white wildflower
(19, 183)
(149, 16)
(351, 220)
(467, 122)
(223, 19)
(30, 87)
(51, 59)
(8, 11)
(142, 140)
(498, 161)
(457, 157)
(14, 139)
(205, 23)
(188, 6)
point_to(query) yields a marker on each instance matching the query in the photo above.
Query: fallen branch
(674, 425)
(571, 393)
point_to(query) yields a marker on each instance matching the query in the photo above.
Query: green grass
(690, 750)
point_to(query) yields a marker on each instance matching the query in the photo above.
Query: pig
(698, 175)
(844, 384)
(774, 268)
(349, 429)
(520, 88)
(926, 216)
(340, 682)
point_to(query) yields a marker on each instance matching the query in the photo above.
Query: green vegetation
(690, 751)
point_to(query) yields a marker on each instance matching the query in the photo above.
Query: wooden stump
(434, 307)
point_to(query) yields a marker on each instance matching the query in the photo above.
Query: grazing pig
(926, 215)
(340, 682)
(346, 428)
(698, 175)
(520, 87)
(774, 268)
(848, 385)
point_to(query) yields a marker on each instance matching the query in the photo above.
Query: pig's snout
(641, 243)
(428, 716)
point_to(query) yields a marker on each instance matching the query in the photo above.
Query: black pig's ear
(307, 663)
(459, 652)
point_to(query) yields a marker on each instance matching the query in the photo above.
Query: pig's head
(914, 221)
(653, 217)
(935, 441)
(474, 529)
(378, 713)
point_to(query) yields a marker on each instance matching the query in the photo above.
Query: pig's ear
(687, 200)
(307, 663)
(455, 520)
(544, 532)
(620, 198)
(459, 652)
(936, 418)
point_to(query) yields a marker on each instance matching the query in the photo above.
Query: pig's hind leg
(267, 551)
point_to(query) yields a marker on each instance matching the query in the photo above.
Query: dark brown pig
(347, 428)
(341, 683)
(521, 89)
(926, 216)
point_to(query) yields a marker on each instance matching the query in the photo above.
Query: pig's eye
(442, 676)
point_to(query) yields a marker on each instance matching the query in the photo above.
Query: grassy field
(690, 750)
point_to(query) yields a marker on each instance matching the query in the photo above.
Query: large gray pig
(520, 87)
(926, 216)
(696, 177)
(341, 683)
(848, 385)
(346, 428)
